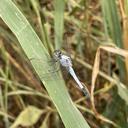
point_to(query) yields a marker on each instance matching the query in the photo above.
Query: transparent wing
(51, 66)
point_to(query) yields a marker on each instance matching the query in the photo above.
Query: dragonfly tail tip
(86, 93)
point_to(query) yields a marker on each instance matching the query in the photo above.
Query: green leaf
(112, 28)
(59, 6)
(27, 117)
(33, 48)
(123, 92)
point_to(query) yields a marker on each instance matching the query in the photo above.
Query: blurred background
(87, 25)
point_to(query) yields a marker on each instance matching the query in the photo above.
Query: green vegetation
(92, 32)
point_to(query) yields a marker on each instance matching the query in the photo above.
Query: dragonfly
(66, 62)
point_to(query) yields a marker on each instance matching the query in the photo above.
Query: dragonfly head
(57, 54)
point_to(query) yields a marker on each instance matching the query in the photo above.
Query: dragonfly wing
(51, 67)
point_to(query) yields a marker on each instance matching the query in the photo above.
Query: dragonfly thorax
(65, 61)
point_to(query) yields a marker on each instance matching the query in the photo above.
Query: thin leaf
(33, 48)
(122, 90)
(110, 49)
(59, 6)
(113, 29)
(27, 117)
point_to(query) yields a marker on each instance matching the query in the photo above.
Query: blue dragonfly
(66, 62)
